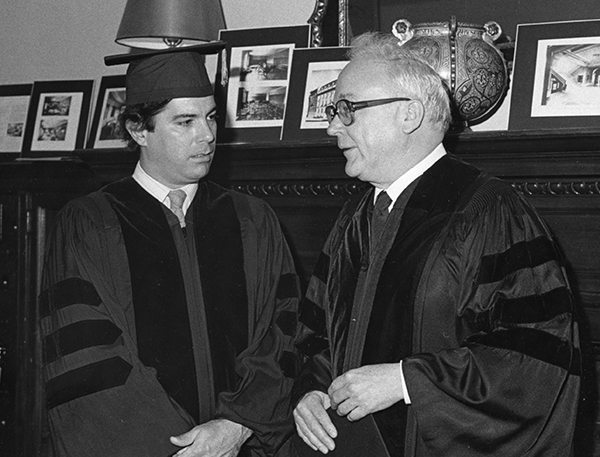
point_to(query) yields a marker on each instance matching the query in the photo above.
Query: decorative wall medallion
(465, 56)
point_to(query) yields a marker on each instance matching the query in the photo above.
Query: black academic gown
(467, 288)
(129, 359)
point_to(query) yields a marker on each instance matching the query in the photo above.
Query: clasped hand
(354, 394)
(216, 438)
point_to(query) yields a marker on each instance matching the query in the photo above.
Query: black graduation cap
(162, 74)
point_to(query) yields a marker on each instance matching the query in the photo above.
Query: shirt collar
(400, 184)
(160, 191)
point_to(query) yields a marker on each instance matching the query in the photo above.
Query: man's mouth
(201, 155)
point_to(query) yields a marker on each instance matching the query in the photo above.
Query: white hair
(412, 75)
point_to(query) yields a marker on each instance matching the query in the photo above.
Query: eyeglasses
(345, 109)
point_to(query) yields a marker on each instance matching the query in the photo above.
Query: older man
(169, 302)
(439, 307)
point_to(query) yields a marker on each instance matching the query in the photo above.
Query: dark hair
(139, 117)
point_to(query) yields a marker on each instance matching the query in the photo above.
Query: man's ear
(137, 133)
(414, 114)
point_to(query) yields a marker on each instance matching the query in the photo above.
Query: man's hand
(366, 390)
(216, 438)
(312, 422)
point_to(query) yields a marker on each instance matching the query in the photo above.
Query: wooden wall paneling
(28, 421)
(8, 334)
(34, 190)
(306, 222)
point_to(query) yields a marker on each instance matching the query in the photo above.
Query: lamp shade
(160, 24)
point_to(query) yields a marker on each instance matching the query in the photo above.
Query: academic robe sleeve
(100, 399)
(498, 288)
(267, 367)
(313, 339)
(313, 343)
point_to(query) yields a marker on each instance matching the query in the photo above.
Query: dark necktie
(176, 198)
(379, 216)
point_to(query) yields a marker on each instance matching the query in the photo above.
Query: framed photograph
(57, 116)
(14, 102)
(105, 131)
(253, 81)
(312, 87)
(556, 76)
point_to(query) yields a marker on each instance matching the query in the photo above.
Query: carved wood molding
(316, 20)
(295, 189)
(558, 188)
(343, 23)
(306, 189)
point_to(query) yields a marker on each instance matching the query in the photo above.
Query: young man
(444, 313)
(169, 303)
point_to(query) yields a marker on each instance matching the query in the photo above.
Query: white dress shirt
(400, 184)
(160, 191)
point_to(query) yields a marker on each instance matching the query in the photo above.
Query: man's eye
(213, 117)
(186, 123)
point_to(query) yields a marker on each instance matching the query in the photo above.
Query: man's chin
(351, 172)
(201, 170)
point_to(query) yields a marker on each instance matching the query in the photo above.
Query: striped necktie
(176, 198)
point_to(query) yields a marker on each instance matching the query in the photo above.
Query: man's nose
(335, 126)
(205, 133)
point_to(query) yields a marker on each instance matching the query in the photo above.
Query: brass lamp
(163, 24)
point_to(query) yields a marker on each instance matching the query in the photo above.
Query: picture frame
(57, 116)
(105, 129)
(312, 88)
(14, 102)
(555, 84)
(252, 81)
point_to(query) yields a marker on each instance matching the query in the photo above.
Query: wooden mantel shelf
(566, 156)
(523, 153)
(576, 146)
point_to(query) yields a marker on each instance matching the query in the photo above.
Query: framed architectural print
(57, 116)
(312, 87)
(253, 81)
(556, 76)
(105, 131)
(14, 102)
